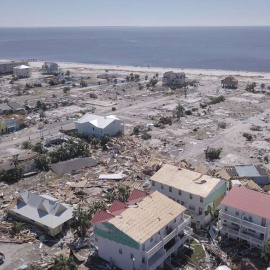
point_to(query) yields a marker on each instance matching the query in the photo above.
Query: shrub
(113, 109)
(212, 153)
(248, 136)
(66, 89)
(188, 112)
(215, 100)
(203, 105)
(222, 125)
(146, 136)
(26, 145)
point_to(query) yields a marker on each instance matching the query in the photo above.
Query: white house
(41, 210)
(245, 215)
(22, 71)
(200, 194)
(142, 233)
(98, 126)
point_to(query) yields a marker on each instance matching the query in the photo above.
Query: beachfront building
(43, 211)
(142, 233)
(245, 215)
(200, 194)
(7, 66)
(98, 126)
(174, 80)
(229, 82)
(50, 68)
(21, 71)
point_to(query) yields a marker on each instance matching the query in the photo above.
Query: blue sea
(224, 48)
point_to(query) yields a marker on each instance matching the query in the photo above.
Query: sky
(38, 13)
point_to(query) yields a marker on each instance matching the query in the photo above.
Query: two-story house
(142, 233)
(245, 215)
(200, 194)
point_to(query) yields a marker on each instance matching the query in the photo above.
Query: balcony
(159, 258)
(251, 239)
(242, 222)
(230, 230)
(184, 226)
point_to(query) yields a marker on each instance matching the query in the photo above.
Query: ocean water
(225, 48)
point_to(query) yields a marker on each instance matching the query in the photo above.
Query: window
(263, 222)
(226, 209)
(182, 203)
(251, 231)
(120, 251)
(131, 256)
(151, 239)
(200, 210)
(179, 192)
(237, 213)
(191, 207)
(93, 128)
(162, 186)
(174, 221)
(201, 199)
(178, 201)
(143, 260)
(190, 196)
(153, 183)
(170, 189)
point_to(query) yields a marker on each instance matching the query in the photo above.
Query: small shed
(22, 71)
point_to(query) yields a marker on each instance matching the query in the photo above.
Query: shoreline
(126, 68)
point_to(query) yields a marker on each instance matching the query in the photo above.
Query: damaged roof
(68, 166)
(186, 180)
(152, 214)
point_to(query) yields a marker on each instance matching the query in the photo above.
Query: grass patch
(198, 253)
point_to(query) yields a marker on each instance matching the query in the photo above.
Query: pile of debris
(7, 235)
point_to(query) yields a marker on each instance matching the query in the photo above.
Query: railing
(170, 236)
(252, 239)
(242, 222)
(167, 254)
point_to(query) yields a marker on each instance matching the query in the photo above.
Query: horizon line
(139, 26)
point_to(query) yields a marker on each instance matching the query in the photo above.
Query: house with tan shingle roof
(142, 233)
(200, 194)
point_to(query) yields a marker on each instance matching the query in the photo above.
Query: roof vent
(119, 217)
(132, 206)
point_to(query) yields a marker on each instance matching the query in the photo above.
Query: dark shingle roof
(68, 166)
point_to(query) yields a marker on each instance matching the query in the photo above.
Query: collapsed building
(174, 80)
(229, 82)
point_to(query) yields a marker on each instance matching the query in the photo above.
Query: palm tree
(179, 111)
(64, 263)
(80, 221)
(15, 161)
